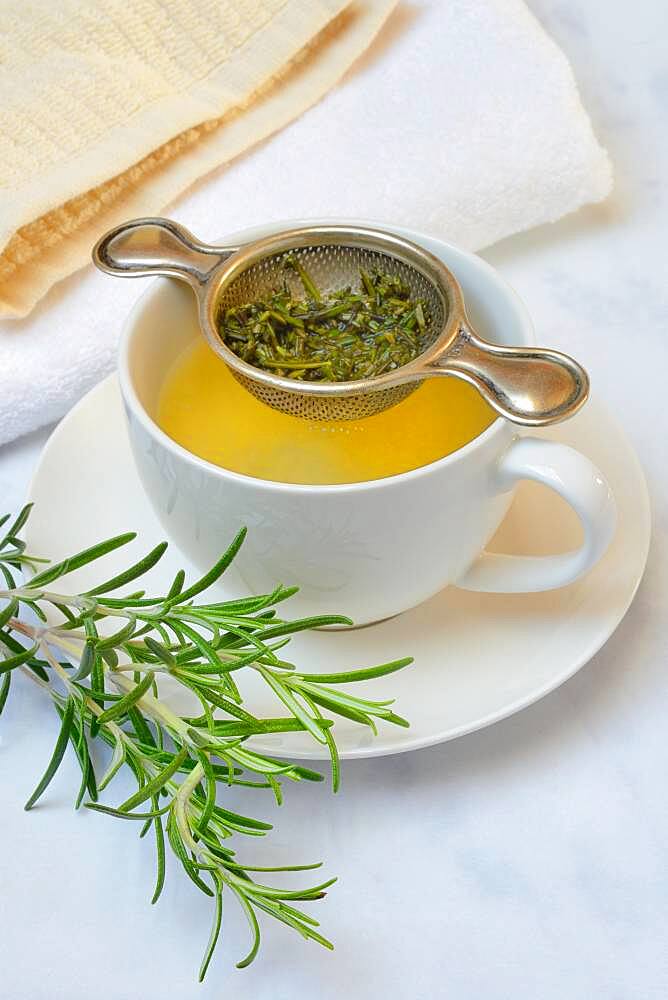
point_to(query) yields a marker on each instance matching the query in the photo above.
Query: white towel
(463, 120)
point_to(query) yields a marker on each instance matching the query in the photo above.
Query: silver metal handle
(527, 385)
(157, 246)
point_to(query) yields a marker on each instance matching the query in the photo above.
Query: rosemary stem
(147, 668)
(181, 800)
(152, 707)
(78, 601)
(45, 685)
(114, 729)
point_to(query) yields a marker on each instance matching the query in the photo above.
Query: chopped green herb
(340, 336)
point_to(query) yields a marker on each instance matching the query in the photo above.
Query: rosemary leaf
(57, 756)
(132, 573)
(80, 559)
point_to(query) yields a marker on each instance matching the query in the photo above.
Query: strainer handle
(533, 386)
(157, 246)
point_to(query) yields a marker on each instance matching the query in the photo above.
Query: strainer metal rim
(367, 237)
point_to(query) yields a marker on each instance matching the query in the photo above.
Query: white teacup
(367, 550)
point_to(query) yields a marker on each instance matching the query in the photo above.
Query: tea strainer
(527, 385)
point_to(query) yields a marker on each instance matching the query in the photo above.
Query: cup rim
(154, 430)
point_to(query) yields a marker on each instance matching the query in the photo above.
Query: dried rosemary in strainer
(339, 336)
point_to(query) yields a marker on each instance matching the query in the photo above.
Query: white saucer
(478, 657)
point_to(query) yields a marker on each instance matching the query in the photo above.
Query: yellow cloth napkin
(111, 108)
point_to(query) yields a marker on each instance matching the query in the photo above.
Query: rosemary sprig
(343, 336)
(98, 657)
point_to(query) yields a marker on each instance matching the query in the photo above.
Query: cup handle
(580, 483)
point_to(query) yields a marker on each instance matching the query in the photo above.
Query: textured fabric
(462, 119)
(100, 97)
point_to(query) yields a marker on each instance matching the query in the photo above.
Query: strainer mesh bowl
(332, 266)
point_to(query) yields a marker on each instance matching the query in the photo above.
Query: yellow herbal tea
(204, 409)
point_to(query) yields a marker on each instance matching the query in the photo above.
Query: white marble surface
(525, 861)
